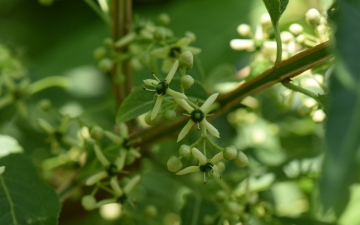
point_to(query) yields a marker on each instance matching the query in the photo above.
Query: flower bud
(187, 81)
(244, 30)
(88, 202)
(97, 133)
(286, 37)
(164, 19)
(151, 211)
(160, 34)
(105, 65)
(154, 121)
(108, 42)
(221, 196)
(44, 105)
(170, 114)
(186, 59)
(230, 153)
(220, 167)
(100, 53)
(208, 220)
(174, 164)
(265, 21)
(296, 29)
(184, 151)
(313, 17)
(241, 160)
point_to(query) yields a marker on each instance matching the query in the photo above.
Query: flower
(198, 116)
(205, 164)
(162, 88)
(111, 169)
(171, 52)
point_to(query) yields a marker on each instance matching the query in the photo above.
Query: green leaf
(275, 9)
(24, 199)
(9, 145)
(135, 104)
(343, 123)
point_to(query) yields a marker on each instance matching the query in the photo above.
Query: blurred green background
(60, 40)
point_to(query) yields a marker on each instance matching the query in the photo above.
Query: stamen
(155, 76)
(185, 114)
(205, 179)
(147, 89)
(211, 114)
(198, 126)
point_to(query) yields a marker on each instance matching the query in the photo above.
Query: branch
(284, 70)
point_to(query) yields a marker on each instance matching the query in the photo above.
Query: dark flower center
(197, 115)
(112, 170)
(174, 52)
(122, 199)
(161, 88)
(206, 168)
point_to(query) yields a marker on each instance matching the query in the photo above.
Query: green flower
(205, 166)
(171, 52)
(162, 88)
(198, 116)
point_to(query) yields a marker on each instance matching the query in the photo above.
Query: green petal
(161, 53)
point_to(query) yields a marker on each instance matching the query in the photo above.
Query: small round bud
(221, 196)
(130, 159)
(265, 21)
(160, 34)
(190, 35)
(220, 167)
(151, 211)
(313, 16)
(301, 38)
(296, 29)
(144, 58)
(233, 207)
(174, 164)
(170, 114)
(154, 121)
(230, 153)
(44, 105)
(187, 81)
(88, 202)
(46, 2)
(100, 53)
(186, 59)
(164, 19)
(105, 65)
(97, 132)
(244, 30)
(184, 151)
(108, 42)
(286, 37)
(241, 160)
(208, 220)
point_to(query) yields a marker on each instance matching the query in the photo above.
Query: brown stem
(283, 70)
(121, 22)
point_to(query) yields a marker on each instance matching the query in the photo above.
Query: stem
(278, 43)
(55, 81)
(183, 72)
(286, 69)
(301, 90)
